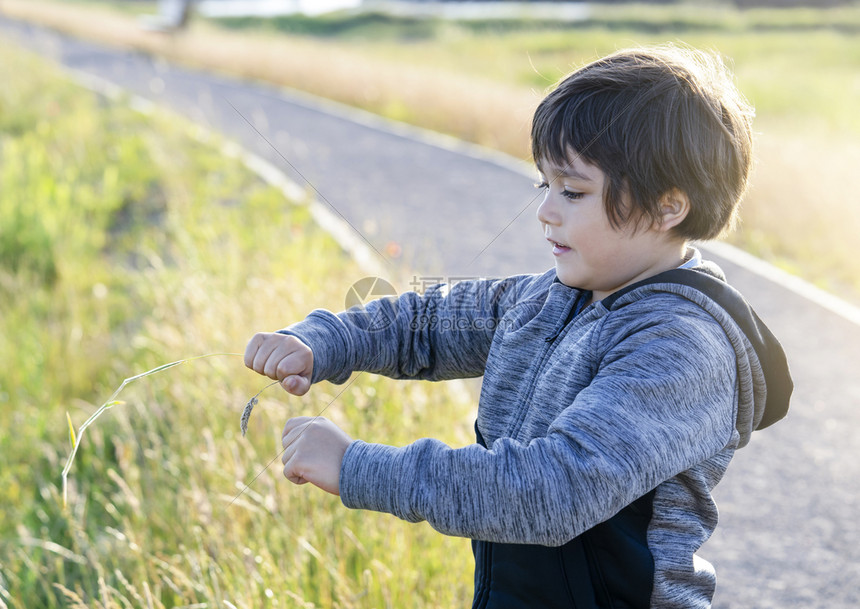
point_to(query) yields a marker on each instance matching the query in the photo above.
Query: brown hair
(654, 120)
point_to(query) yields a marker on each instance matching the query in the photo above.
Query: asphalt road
(789, 534)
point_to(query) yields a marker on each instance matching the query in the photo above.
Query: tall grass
(134, 244)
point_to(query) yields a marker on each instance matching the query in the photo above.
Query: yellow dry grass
(433, 98)
(803, 209)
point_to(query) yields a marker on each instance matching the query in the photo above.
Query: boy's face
(589, 252)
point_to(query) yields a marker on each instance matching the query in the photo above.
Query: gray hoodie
(582, 412)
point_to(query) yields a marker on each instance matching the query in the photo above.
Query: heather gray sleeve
(661, 401)
(442, 334)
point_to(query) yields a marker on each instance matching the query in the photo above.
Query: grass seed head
(246, 414)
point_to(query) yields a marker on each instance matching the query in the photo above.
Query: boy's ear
(674, 207)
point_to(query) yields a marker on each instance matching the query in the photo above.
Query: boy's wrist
(321, 335)
(368, 479)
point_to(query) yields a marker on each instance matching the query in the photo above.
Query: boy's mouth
(558, 248)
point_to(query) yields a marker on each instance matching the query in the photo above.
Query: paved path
(789, 534)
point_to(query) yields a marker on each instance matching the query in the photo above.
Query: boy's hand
(314, 449)
(282, 358)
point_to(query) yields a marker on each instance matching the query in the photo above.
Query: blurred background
(129, 240)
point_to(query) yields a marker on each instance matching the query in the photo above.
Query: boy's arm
(442, 334)
(656, 408)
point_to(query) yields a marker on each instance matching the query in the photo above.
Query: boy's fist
(282, 358)
(313, 452)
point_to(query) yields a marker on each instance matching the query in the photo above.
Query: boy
(617, 385)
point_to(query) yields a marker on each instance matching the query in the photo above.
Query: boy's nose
(545, 212)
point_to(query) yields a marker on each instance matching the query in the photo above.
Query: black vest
(607, 566)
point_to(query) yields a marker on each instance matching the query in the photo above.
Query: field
(481, 80)
(127, 242)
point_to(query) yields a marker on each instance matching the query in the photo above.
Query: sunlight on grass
(154, 260)
(110, 403)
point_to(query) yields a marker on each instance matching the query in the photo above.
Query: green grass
(134, 8)
(127, 243)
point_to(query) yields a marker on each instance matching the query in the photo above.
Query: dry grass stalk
(111, 402)
(246, 414)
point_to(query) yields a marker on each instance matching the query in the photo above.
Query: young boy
(617, 386)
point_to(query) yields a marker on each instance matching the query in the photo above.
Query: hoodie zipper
(485, 559)
(549, 347)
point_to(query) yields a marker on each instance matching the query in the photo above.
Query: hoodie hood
(764, 378)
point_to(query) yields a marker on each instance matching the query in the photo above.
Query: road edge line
(336, 227)
(792, 283)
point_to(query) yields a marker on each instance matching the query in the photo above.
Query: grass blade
(71, 430)
(110, 403)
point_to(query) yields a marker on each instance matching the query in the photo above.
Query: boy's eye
(567, 194)
(572, 195)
